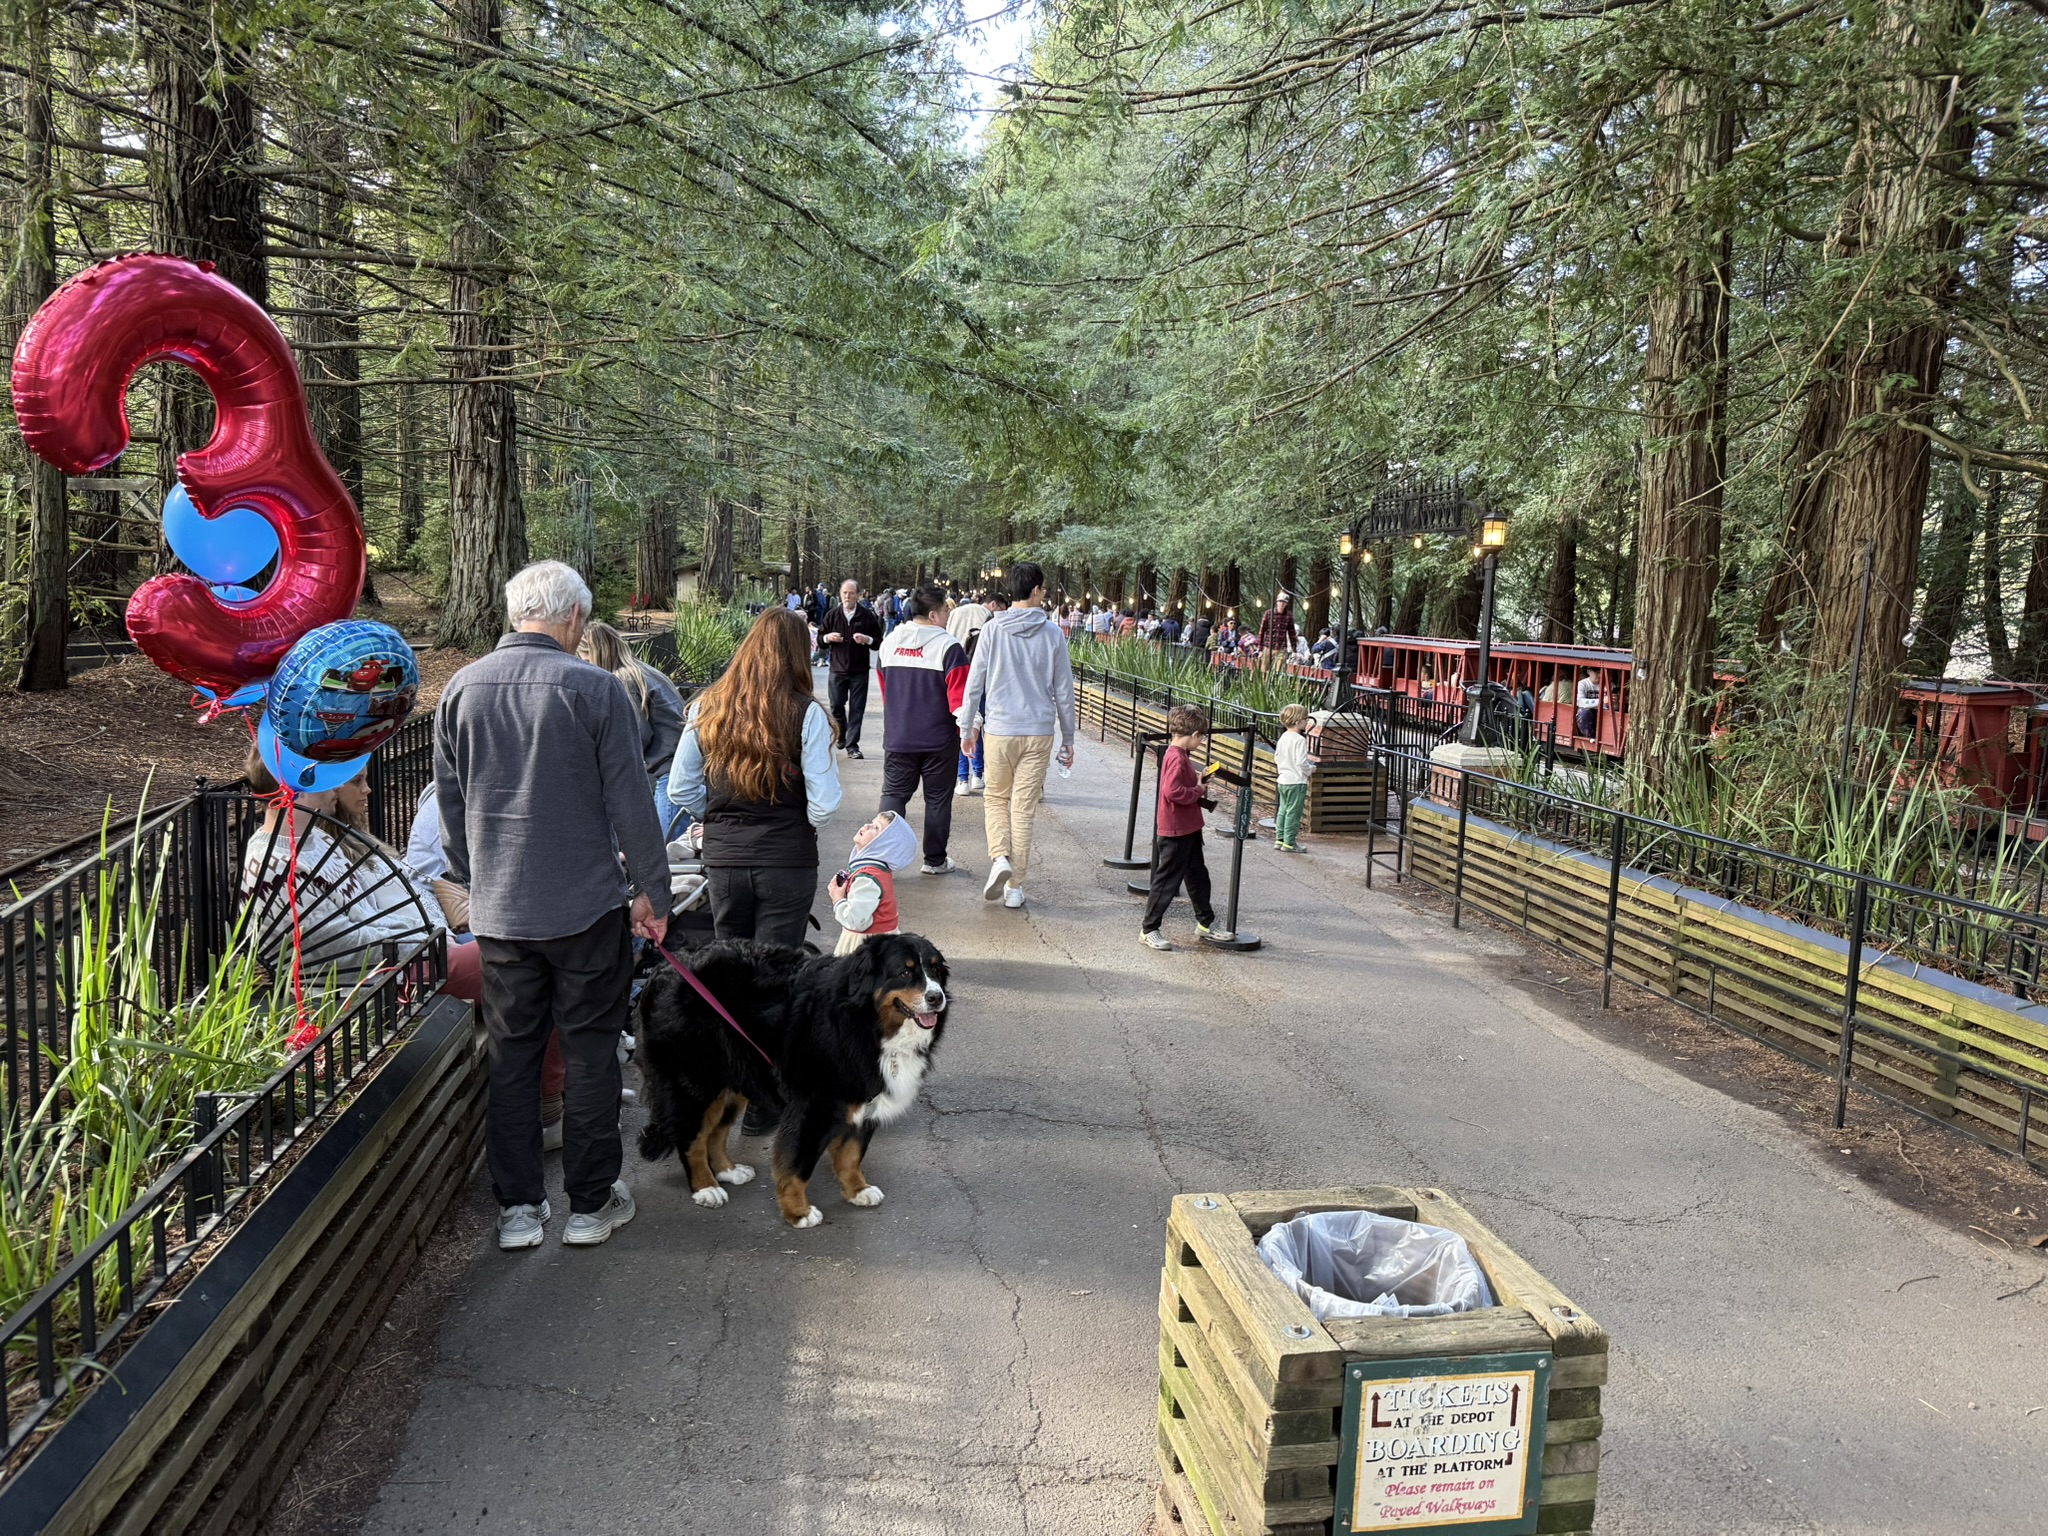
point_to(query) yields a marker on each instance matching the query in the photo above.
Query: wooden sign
(1441, 1445)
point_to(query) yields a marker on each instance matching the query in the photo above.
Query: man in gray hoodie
(1020, 685)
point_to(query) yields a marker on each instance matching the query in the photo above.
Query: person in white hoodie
(1020, 686)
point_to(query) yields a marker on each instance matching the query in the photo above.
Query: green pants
(1287, 824)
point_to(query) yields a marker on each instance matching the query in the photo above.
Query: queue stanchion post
(1140, 746)
(1156, 744)
(1241, 834)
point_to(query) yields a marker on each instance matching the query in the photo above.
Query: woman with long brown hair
(755, 766)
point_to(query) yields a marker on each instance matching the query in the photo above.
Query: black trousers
(772, 905)
(531, 988)
(1179, 859)
(848, 692)
(939, 771)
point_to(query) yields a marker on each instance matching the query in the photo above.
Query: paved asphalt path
(977, 1355)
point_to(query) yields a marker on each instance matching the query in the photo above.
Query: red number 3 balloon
(71, 373)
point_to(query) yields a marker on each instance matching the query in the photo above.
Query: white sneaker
(998, 874)
(587, 1228)
(1154, 939)
(943, 867)
(551, 1137)
(1014, 896)
(522, 1226)
(1222, 934)
(974, 783)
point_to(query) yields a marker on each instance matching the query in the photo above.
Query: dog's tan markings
(700, 1158)
(896, 1007)
(845, 1154)
(791, 1194)
(718, 1147)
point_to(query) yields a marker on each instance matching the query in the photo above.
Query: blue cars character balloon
(302, 773)
(342, 692)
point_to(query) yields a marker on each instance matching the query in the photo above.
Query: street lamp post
(1493, 534)
(1350, 548)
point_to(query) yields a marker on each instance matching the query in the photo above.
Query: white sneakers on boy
(1014, 897)
(1152, 938)
(998, 873)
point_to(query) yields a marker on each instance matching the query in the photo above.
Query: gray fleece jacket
(1021, 682)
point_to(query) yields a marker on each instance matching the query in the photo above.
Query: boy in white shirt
(1290, 757)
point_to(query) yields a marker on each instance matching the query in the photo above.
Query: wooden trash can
(1252, 1387)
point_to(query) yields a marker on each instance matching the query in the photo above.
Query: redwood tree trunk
(1408, 620)
(486, 508)
(1995, 638)
(1948, 585)
(205, 199)
(1678, 530)
(1316, 604)
(2030, 663)
(715, 571)
(1790, 588)
(1561, 593)
(330, 327)
(1915, 136)
(1177, 593)
(48, 622)
(654, 556)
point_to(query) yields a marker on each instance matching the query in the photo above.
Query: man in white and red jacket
(924, 680)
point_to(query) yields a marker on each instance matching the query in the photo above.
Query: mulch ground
(122, 727)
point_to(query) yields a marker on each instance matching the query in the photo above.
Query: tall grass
(1189, 672)
(1769, 784)
(143, 1047)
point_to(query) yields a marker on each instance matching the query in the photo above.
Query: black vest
(760, 834)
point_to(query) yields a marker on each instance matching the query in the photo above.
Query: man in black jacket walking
(849, 635)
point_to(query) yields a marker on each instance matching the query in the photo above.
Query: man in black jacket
(848, 635)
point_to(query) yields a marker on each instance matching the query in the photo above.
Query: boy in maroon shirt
(1181, 803)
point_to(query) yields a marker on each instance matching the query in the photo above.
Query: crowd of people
(572, 783)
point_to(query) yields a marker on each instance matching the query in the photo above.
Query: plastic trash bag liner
(1361, 1264)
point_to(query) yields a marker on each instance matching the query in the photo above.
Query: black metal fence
(1372, 720)
(65, 1335)
(1997, 946)
(1222, 714)
(399, 771)
(188, 853)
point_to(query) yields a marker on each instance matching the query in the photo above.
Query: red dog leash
(704, 992)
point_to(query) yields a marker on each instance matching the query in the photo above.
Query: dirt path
(65, 756)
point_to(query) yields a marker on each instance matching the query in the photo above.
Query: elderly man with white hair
(538, 773)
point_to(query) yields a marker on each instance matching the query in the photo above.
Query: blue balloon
(302, 773)
(224, 550)
(343, 690)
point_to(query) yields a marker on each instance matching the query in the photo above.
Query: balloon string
(303, 1033)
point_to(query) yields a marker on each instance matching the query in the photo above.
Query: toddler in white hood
(864, 893)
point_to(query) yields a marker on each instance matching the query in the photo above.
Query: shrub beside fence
(1905, 993)
(199, 1422)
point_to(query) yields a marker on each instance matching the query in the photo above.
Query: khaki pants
(1012, 785)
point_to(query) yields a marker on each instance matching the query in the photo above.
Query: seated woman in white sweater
(353, 893)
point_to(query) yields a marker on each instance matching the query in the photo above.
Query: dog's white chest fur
(904, 1061)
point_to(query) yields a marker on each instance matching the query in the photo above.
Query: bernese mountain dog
(847, 1041)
